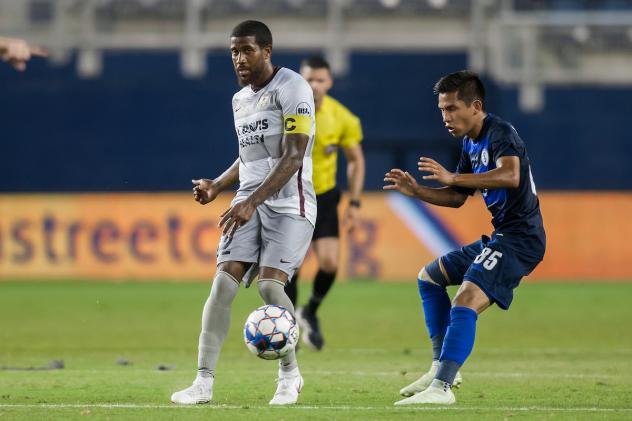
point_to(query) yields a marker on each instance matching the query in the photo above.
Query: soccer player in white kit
(268, 228)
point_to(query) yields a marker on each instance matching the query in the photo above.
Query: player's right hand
(401, 181)
(204, 190)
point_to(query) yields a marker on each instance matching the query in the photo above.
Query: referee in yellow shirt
(336, 128)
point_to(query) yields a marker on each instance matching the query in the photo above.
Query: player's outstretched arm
(405, 183)
(505, 175)
(293, 149)
(206, 190)
(17, 52)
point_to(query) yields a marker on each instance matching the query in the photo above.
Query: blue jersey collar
(486, 123)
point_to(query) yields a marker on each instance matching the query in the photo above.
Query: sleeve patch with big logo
(295, 123)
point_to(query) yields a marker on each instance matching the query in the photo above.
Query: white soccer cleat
(289, 386)
(201, 391)
(424, 381)
(432, 395)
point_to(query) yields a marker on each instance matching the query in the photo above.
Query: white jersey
(284, 106)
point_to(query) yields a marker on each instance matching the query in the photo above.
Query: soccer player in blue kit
(494, 160)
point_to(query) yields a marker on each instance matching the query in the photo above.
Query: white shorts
(269, 239)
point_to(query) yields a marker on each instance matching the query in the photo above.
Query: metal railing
(529, 43)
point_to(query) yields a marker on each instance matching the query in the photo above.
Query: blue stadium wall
(142, 127)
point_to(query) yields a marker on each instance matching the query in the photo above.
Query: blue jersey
(514, 210)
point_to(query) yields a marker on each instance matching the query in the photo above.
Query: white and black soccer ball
(270, 332)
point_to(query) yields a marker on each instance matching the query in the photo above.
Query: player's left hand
(401, 181)
(350, 218)
(235, 217)
(436, 170)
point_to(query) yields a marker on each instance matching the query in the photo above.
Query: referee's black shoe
(308, 323)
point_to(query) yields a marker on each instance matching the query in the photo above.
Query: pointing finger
(233, 229)
(225, 217)
(226, 228)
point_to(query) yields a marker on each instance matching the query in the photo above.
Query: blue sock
(436, 304)
(458, 342)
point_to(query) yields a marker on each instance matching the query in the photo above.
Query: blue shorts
(496, 265)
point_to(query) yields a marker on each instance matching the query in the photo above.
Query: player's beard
(255, 73)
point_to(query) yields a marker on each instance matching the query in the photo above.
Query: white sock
(206, 380)
(273, 292)
(215, 322)
(287, 374)
(440, 384)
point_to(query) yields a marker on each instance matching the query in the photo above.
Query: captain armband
(294, 123)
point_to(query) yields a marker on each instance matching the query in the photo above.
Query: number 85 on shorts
(489, 258)
(499, 266)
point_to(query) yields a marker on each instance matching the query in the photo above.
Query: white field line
(511, 352)
(466, 373)
(313, 407)
(394, 373)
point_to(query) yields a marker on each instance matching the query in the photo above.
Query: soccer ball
(270, 332)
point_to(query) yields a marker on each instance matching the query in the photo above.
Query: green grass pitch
(563, 351)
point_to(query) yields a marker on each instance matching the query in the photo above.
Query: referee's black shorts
(327, 217)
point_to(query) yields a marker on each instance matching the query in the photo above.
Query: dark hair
(465, 83)
(316, 62)
(254, 28)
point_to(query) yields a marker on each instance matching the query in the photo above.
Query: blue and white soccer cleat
(424, 381)
(201, 391)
